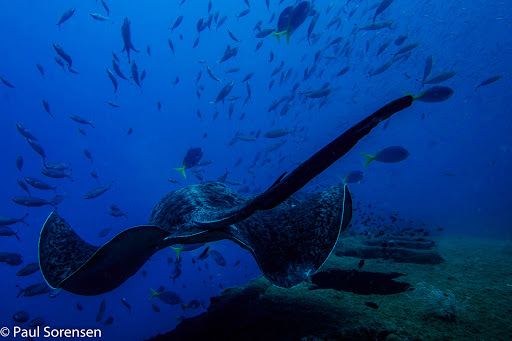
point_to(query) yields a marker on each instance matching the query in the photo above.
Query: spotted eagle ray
(289, 239)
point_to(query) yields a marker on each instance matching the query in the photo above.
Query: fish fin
(278, 35)
(20, 289)
(16, 234)
(413, 97)
(182, 171)
(344, 180)
(22, 220)
(369, 158)
(184, 307)
(153, 294)
(178, 250)
(300, 236)
(84, 269)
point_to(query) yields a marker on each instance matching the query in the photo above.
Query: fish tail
(22, 219)
(413, 97)
(153, 294)
(184, 307)
(178, 251)
(53, 201)
(369, 158)
(20, 289)
(278, 35)
(182, 170)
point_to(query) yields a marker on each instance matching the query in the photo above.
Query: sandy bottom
(480, 270)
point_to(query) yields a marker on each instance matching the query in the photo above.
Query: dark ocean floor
(466, 294)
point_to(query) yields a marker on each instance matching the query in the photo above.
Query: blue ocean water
(456, 176)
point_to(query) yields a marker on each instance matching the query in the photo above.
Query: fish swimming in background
(29, 269)
(223, 92)
(96, 192)
(6, 82)
(34, 202)
(135, 74)
(168, 297)
(489, 80)
(190, 160)
(63, 54)
(391, 154)
(37, 148)
(105, 7)
(177, 23)
(25, 132)
(46, 107)
(290, 19)
(113, 79)
(435, 94)
(81, 120)
(40, 69)
(65, 16)
(382, 6)
(440, 77)
(127, 39)
(217, 257)
(4, 220)
(353, 177)
(8, 232)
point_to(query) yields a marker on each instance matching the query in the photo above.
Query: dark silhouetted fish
(168, 297)
(135, 74)
(190, 160)
(113, 79)
(34, 290)
(440, 77)
(81, 120)
(177, 23)
(25, 132)
(28, 269)
(489, 80)
(4, 220)
(382, 6)
(63, 54)
(224, 92)
(40, 68)
(65, 16)
(233, 36)
(435, 94)
(353, 177)
(291, 18)
(39, 184)
(127, 39)
(428, 68)
(37, 148)
(8, 232)
(46, 107)
(218, 258)
(6, 82)
(105, 7)
(19, 162)
(96, 192)
(388, 155)
(126, 304)
(20, 317)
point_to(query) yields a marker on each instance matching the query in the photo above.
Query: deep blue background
(468, 135)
